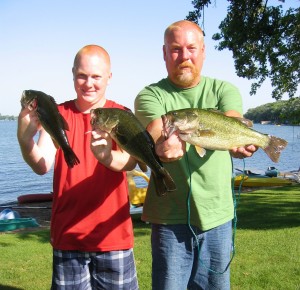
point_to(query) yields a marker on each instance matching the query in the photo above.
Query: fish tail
(70, 157)
(274, 148)
(163, 182)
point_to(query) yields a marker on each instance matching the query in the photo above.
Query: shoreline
(40, 210)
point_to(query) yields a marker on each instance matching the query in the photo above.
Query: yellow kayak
(250, 181)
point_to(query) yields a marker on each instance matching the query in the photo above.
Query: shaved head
(91, 76)
(182, 24)
(91, 51)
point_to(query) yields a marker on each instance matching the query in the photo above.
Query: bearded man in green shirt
(192, 226)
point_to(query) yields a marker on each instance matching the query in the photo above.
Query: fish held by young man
(210, 129)
(51, 120)
(130, 135)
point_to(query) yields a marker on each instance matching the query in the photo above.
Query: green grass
(26, 260)
(267, 247)
(268, 240)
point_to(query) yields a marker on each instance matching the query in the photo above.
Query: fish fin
(160, 188)
(52, 100)
(70, 157)
(244, 121)
(201, 151)
(163, 182)
(214, 110)
(274, 148)
(168, 180)
(142, 166)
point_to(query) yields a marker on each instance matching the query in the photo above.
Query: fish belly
(226, 143)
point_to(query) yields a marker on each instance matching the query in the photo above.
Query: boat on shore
(17, 224)
(265, 122)
(272, 171)
(10, 220)
(252, 181)
(271, 177)
(35, 197)
(136, 194)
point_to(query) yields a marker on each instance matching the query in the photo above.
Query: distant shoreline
(8, 118)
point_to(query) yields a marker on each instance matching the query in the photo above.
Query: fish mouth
(26, 93)
(168, 127)
(23, 103)
(92, 122)
(28, 100)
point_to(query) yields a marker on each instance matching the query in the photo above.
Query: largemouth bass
(126, 130)
(208, 129)
(52, 121)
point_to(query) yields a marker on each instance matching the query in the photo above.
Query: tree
(291, 111)
(264, 41)
(286, 112)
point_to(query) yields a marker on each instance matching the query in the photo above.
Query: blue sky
(39, 40)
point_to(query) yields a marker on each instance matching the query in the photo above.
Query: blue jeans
(175, 257)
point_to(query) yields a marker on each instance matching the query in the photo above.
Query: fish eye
(191, 114)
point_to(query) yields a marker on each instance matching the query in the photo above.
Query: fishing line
(234, 221)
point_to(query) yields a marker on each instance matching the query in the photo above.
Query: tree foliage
(286, 112)
(264, 41)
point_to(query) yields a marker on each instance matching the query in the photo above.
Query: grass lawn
(267, 247)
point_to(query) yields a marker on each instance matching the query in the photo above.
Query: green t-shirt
(208, 179)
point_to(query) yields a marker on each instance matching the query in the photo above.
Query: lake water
(16, 177)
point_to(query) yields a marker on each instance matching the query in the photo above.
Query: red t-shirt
(90, 209)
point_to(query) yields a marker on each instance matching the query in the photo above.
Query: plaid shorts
(94, 270)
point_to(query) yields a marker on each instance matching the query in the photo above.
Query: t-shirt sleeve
(230, 98)
(148, 106)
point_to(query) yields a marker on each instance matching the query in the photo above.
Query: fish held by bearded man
(210, 129)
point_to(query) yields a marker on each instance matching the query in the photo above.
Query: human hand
(28, 124)
(170, 149)
(101, 146)
(243, 152)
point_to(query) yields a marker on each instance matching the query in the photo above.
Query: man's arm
(241, 152)
(38, 155)
(170, 149)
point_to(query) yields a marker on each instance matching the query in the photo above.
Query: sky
(39, 40)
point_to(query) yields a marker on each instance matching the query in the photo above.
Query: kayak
(252, 181)
(35, 197)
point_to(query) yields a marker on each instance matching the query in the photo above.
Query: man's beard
(184, 78)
